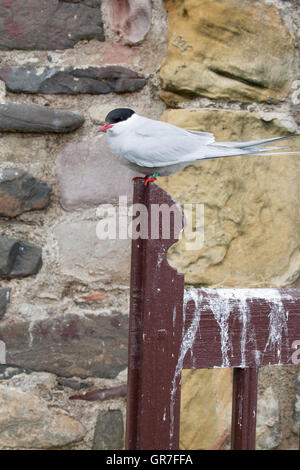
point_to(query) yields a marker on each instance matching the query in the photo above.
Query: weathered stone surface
(109, 431)
(268, 431)
(22, 148)
(48, 24)
(98, 112)
(84, 256)
(74, 383)
(9, 250)
(27, 262)
(4, 301)
(71, 80)
(21, 192)
(228, 49)
(26, 422)
(16, 117)
(71, 345)
(18, 259)
(42, 384)
(205, 409)
(251, 205)
(89, 3)
(130, 19)
(7, 372)
(89, 175)
(2, 352)
(2, 92)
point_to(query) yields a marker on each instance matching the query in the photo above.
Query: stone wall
(228, 67)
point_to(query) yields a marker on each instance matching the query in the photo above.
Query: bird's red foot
(149, 179)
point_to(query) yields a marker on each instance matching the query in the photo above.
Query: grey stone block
(18, 259)
(16, 117)
(71, 80)
(72, 345)
(48, 24)
(21, 192)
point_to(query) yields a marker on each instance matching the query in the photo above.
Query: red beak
(105, 127)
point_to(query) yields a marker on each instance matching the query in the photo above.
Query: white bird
(160, 149)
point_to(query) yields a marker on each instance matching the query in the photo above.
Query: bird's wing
(151, 128)
(157, 156)
(154, 143)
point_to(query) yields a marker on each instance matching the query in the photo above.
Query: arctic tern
(159, 149)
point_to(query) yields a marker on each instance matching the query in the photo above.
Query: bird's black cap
(118, 115)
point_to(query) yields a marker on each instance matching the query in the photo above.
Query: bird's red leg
(149, 179)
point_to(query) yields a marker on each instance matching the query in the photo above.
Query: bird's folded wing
(157, 144)
(157, 157)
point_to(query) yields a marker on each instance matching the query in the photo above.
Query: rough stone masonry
(228, 67)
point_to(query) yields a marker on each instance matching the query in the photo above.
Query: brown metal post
(135, 331)
(244, 401)
(155, 335)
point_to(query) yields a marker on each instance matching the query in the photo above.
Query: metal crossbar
(172, 328)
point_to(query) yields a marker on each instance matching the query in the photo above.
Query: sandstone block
(205, 409)
(251, 206)
(26, 422)
(231, 50)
